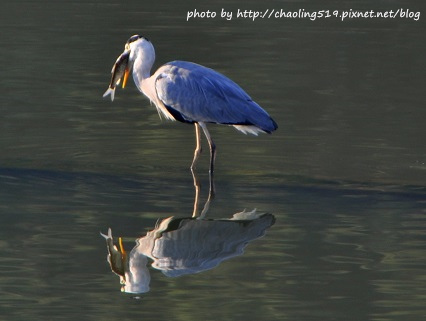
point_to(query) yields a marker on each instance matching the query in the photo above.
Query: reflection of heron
(179, 246)
(190, 93)
(185, 245)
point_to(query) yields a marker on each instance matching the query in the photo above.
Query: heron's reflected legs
(210, 197)
(197, 185)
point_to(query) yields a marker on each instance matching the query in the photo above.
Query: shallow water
(344, 175)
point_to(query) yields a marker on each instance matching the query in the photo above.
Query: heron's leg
(212, 146)
(197, 151)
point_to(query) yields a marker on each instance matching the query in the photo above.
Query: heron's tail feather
(249, 129)
(110, 91)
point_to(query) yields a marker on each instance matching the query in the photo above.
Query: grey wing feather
(193, 93)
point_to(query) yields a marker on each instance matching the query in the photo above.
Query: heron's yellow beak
(122, 250)
(126, 75)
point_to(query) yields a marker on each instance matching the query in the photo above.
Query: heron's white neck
(143, 57)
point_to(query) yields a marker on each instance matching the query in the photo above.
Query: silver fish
(119, 70)
(117, 257)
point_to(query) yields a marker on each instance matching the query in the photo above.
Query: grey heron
(190, 93)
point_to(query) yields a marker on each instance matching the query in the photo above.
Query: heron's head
(142, 53)
(133, 40)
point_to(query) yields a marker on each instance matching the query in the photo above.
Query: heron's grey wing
(193, 93)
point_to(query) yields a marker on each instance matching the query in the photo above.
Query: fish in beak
(117, 256)
(119, 70)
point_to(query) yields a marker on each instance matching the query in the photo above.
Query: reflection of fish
(119, 70)
(116, 257)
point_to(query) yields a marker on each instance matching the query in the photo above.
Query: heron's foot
(197, 154)
(193, 166)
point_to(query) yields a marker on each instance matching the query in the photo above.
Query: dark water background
(344, 175)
